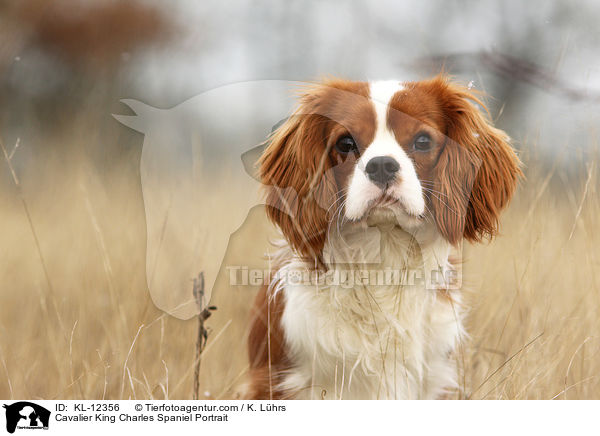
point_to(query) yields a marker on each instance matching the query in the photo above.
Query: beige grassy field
(77, 321)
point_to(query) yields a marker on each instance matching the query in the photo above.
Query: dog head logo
(196, 189)
(26, 415)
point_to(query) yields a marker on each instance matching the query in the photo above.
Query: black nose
(381, 170)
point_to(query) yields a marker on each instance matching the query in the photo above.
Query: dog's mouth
(387, 202)
(388, 208)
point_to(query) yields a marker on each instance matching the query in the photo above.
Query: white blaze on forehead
(384, 143)
(381, 93)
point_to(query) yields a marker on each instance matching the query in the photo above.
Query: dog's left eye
(346, 145)
(422, 142)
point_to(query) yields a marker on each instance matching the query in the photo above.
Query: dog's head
(414, 154)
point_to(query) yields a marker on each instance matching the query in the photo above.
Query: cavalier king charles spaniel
(373, 187)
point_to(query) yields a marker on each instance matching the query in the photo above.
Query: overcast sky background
(545, 93)
(303, 40)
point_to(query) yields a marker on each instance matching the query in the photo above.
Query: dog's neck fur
(385, 339)
(374, 245)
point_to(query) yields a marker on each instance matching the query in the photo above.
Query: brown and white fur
(362, 340)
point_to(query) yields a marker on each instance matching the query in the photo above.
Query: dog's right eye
(422, 143)
(345, 145)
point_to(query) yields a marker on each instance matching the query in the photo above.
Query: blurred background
(76, 318)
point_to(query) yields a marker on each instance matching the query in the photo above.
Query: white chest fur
(371, 338)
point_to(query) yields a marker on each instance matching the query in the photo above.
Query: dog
(385, 181)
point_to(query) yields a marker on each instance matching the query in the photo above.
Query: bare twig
(185, 376)
(198, 291)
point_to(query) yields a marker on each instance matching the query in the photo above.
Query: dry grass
(90, 331)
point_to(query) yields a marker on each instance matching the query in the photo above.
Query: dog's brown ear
(477, 171)
(295, 168)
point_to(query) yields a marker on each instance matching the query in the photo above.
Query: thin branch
(202, 337)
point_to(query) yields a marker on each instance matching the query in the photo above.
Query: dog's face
(412, 154)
